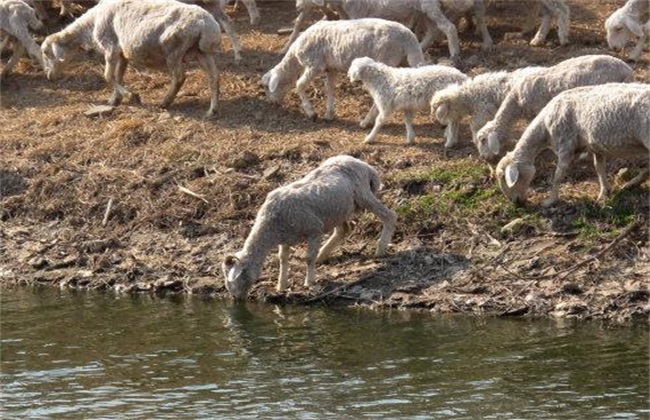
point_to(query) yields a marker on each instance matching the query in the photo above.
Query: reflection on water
(87, 355)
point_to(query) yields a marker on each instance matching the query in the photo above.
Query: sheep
(607, 120)
(438, 14)
(330, 46)
(479, 98)
(633, 19)
(16, 17)
(399, 89)
(305, 210)
(527, 97)
(152, 34)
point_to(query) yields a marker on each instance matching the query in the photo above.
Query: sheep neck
(380, 79)
(534, 140)
(258, 245)
(289, 69)
(79, 32)
(508, 113)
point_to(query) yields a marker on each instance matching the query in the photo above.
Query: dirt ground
(142, 199)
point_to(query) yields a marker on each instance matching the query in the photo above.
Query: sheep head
(620, 28)
(55, 57)
(238, 277)
(275, 85)
(444, 104)
(357, 66)
(488, 143)
(514, 178)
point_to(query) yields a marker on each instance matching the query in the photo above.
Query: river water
(97, 355)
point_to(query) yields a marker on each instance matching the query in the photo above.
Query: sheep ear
(633, 26)
(273, 81)
(512, 175)
(493, 143)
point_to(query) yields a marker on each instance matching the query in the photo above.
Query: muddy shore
(143, 200)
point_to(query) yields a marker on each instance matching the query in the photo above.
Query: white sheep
(478, 98)
(532, 93)
(610, 120)
(155, 34)
(16, 17)
(329, 47)
(436, 15)
(304, 211)
(633, 19)
(399, 89)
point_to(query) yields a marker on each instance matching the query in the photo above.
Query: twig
(192, 193)
(563, 273)
(109, 206)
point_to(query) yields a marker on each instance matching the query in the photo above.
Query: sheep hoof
(135, 100)
(369, 140)
(313, 117)
(210, 114)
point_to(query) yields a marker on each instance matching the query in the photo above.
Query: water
(97, 355)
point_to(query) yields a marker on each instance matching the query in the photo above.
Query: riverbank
(143, 200)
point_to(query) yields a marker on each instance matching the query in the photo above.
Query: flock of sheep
(585, 104)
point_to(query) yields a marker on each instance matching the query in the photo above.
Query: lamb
(607, 120)
(330, 46)
(305, 210)
(399, 89)
(152, 34)
(479, 98)
(532, 93)
(633, 19)
(16, 17)
(438, 15)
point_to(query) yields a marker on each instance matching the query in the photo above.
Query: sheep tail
(210, 38)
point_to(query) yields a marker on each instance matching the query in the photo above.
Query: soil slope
(142, 199)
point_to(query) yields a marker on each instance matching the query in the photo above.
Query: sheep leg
(446, 26)
(368, 201)
(227, 25)
(451, 134)
(543, 30)
(207, 62)
(19, 52)
(297, 26)
(113, 74)
(253, 12)
(333, 242)
(370, 117)
(330, 85)
(379, 121)
(312, 254)
(307, 76)
(178, 78)
(636, 180)
(605, 189)
(283, 278)
(410, 132)
(479, 12)
(560, 172)
(563, 24)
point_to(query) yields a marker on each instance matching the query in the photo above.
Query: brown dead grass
(59, 169)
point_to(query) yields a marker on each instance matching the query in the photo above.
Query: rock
(38, 262)
(514, 226)
(99, 111)
(271, 172)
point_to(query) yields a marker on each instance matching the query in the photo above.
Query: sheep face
(488, 142)
(514, 179)
(275, 86)
(620, 29)
(55, 58)
(239, 280)
(358, 65)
